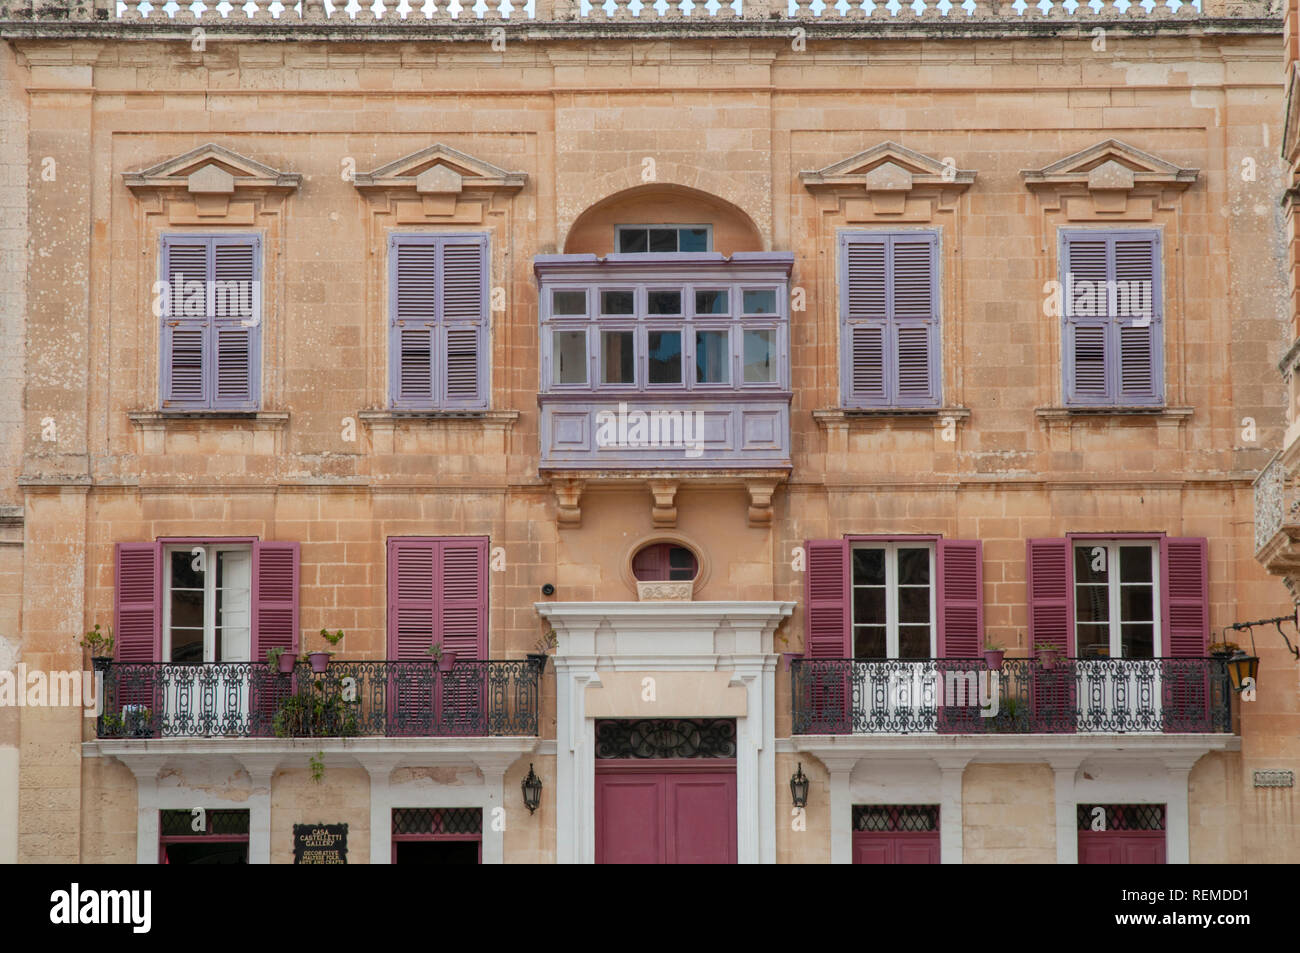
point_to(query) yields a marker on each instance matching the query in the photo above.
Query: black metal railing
(963, 696)
(252, 699)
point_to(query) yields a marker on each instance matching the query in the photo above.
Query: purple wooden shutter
(1185, 587)
(211, 335)
(438, 305)
(865, 319)
(914, 318)
(1185, 629)
(236, 322)
(275, 598)
(825, 685)
(1112, 317)
(960, 602)
(1049, 574)
(464, 301)
(137, 602)
(185, 323)
(890, 319)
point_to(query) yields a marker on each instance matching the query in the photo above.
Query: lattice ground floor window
(203, 837)
(1121, 817)
(437, 835)
(896, 817)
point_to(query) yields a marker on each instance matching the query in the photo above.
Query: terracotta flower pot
(285, 663)
(446, 661)
(993, 658)
(320, 661)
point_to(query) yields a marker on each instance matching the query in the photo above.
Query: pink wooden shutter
(1184, 586)
(462, 612)
(137, 602)
(828, 637)
(960, 602)
(411, 600)
(137, 624)
(827, 599)
(961, 624)
(1049, 573)
(275, 598)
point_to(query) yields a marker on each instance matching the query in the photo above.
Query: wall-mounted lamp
(799, 787)
(532, 787)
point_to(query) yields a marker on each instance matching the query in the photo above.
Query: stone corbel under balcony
(570, 485)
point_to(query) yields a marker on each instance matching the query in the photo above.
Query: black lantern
(1241, 667)
(799, 787)
(532, 786)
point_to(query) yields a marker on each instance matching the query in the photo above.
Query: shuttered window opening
(1112, 317)
(437, 820)
(896, 817)
(215, 823)
(890, 319)
(211, 322)
(1121, 817)
(438, 321)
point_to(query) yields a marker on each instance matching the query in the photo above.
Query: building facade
(667, 405)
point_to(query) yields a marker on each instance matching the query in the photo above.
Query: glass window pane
(914, 604)
(665, 356)
(868, 567)
(869, 641)
(569, 302)
(712, 302)
(712, 358)
(1137, 641)
(693, 239)
(761, 301)
(618, 359)
(760, 368)
(1092, 641)
(632, 241)
(869, 605)
(1091, 563)
(913, 641)
(1135, 564)
(1136, 604)
(664, 302)
(663, 239)
(617, 302)
(187, 644)
(185, 574)
(569, 357)
(1091, 603)
(914, 567)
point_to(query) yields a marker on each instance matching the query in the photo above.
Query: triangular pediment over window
(1111, 165)
(212, 169)
(440, 170)
(888, 167)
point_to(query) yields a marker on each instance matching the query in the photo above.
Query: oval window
(664, 562)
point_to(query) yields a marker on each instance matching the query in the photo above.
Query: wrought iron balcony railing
(253, 700)
(857, 696)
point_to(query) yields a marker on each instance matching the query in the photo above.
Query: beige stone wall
(1008, 814)
(738, 122)
(342, 796)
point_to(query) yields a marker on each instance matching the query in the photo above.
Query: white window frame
(677, 226)
(1113, 593)
(891, 548)
(209, 596)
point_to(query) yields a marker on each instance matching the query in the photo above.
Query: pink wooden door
(666, 812)
(1121, 847)
(896, 847)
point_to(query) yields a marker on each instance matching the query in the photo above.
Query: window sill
(196, 419)
(846, 417)
(1068, 415)
(389, 419)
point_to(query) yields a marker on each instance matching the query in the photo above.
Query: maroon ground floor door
(899, 847)
(1121, 847)
(666, 811)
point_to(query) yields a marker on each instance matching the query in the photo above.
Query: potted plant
(315, 710)
(280, 659)
(101, 647)
(993, 655)
(543, 645)
(445, 660)
(320, 659)
(1048, 656)
(137, 720)
(1224, 649)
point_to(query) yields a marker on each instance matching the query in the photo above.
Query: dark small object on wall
(548, 590)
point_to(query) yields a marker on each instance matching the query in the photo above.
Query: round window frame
(702, 565)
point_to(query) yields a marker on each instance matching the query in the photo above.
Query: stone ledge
(849, 416)
(197, 419)
(432, 418)
(1068, 414)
